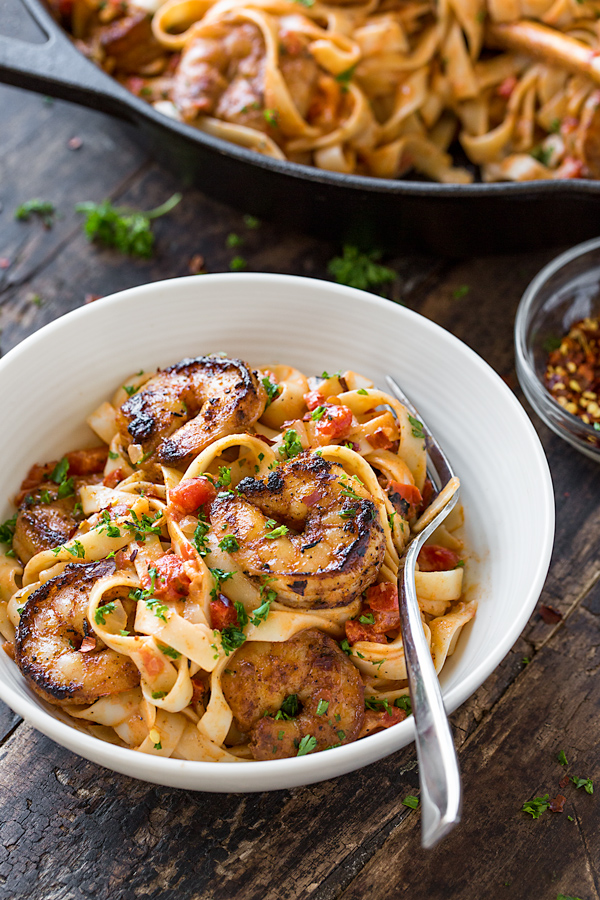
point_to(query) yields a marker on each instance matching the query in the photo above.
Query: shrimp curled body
(184, 408)
(332, 543)
(310, 665)
(51, 629)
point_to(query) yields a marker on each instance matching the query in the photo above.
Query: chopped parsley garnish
(129, 231)
(169, 651)
(224, 479)
(77, 549)
(292, 445)
(349, 513)
(390, 518)
(536, 806)
(229, 544)
(103, 611)
(158, 695)
(232, 638)
(460, 292)
(322, 707)
(404, 703)
(318, 413)
(251, 222)
(237, 264)
(234, 240)
(273, 390)
(585, 783)
(59, 477)
(7, 530)
(199, 540)
(344, 78)
(261, 612)
(42, 208)
(562, 758)
(271, 117)
(307, 745)
(345, 646)
(106, 523)
(326, 376)
(144, 594)
(307, 3)
(242, 615)
(159, 609)
(359, 270)
(567, 896)
(542, 154)
(112, 454)
(144, 526)
(219, 576)
(369, 619)
(417, 427)
(363, 391)
(350, 492)
(289, 708)
(378, 704)
(278, 532)
(131, 389)
(411, 801)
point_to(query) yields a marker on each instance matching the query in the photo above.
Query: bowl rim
(542, 398)
(310, 768)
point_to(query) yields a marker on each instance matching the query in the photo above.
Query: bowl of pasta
(203, 527)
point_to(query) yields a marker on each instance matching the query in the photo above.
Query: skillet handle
(55, 67)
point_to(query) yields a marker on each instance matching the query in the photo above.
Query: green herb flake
(42, 208)
(322, 707)
(102, 611)
(7, 530)
(344, 78)
(129, 231)
(169, 651)
(541, 153)
(252, 222)
(229, 544)
(345, 646)
(158, 695)
(460, 292)
(363, 392)
(238, 264)
(278, 532)
(289, 708)
(262, 611)
(232, 638)
(318, 413)
(562, 758)
(369, 619)
(234, 240)
(585, 783)
(112, 454)
(417, 427)
(536, 806)
(411, 801)
(404, 703)
(273, 390)
(292, 445)
(307, 745)
(359, 270)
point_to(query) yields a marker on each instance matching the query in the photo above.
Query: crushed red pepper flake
(573, 371)
(557, 805)
(550, 615)
(564, 781)
(4, 262)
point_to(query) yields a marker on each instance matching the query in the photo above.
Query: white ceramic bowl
(55, 378)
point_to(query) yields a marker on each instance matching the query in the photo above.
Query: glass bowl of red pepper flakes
(557, 344)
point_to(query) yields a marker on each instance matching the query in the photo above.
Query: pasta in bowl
(269, 627)
(219, 581)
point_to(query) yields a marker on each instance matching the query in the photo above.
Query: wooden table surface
(71, 829)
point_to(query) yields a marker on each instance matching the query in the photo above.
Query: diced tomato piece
(335, 422)
(406, 498)
(383, 597)
(381, 606)
(172, 581)
(313, 498)
(191, 494)
(87, 462)
(222, 612)
(427, 495)
(113, 478)
(376, 720)
(314, 399)
(199, 689)
(434, 558)
(506, 87)
(379, 440)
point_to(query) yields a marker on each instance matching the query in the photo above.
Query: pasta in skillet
(218, 581)
(381, 88)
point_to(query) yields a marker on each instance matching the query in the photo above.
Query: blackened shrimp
(49, 511)
(321, 693)
(182, 409)
(309, 527)
(55, 647)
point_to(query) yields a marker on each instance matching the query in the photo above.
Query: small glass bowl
(564, 292)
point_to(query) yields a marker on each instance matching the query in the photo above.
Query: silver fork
(438, 766)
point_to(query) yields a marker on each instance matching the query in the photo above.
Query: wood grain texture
(70, 829)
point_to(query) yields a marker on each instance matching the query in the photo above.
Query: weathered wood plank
(553, 706)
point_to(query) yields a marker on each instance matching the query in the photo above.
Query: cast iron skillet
(452, 220)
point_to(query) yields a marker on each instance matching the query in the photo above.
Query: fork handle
(438, 765)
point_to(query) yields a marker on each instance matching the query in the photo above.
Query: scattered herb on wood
(359, 270)
(129, 231)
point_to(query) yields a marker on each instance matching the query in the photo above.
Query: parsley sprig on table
(359, 270)
(128, 230)
(42, 208)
